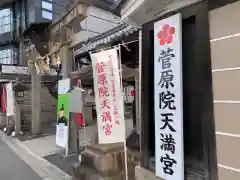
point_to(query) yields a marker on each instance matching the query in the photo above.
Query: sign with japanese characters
(63, 113)
(168, 98)
(108, 97)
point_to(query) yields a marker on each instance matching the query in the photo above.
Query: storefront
(209, 35)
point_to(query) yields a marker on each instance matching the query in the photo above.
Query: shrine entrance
(199, 129)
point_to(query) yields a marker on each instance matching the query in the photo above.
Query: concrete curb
(42, 167)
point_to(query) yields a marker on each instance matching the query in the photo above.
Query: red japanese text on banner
(108, 97)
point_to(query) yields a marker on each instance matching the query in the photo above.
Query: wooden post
(17, 119)
(36, 109)
(66, 56)
(17, 107)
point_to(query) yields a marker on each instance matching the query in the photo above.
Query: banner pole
(67, 148)
(125, 141)
(125, 155)
(139, 129)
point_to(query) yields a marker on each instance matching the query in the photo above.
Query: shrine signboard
(168, 98)
(108, 97)
(62, 129)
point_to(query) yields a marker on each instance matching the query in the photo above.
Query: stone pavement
(42, 167)
(12, 167)
(43, 156)
(48, 143)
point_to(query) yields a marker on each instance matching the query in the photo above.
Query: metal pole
(125, 141)
(140, 85)
(77, 124)
(77, 133)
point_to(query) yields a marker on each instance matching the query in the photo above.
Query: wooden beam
(78, 12)
(63, 28)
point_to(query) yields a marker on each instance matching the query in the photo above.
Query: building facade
(98, 21)
(8, 42)
(15, 18)
(210, 87)
(224, 39)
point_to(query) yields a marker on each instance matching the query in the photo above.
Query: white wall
(142, 11)
(98, 21)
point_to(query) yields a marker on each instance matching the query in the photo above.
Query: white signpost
(63, 114)
(10, 100)
(108, 97)
(168, 98)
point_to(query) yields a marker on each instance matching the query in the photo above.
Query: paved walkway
(41, 155)
(12, 167)
(44, 170)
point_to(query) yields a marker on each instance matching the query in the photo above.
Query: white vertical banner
(108, 97)
(10, 100)
(168, 98)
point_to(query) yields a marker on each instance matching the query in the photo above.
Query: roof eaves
(106, 38)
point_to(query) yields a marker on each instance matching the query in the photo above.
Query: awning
(106, 38)
(128, 74)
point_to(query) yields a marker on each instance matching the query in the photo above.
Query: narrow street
(12, 167)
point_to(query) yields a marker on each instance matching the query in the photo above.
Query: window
(47, 15)
(8, 56)
(47, 5)
(5, 20)
(19, 93)
(47, 8)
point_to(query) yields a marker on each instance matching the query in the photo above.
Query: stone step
(83, 172)
(103, 161)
